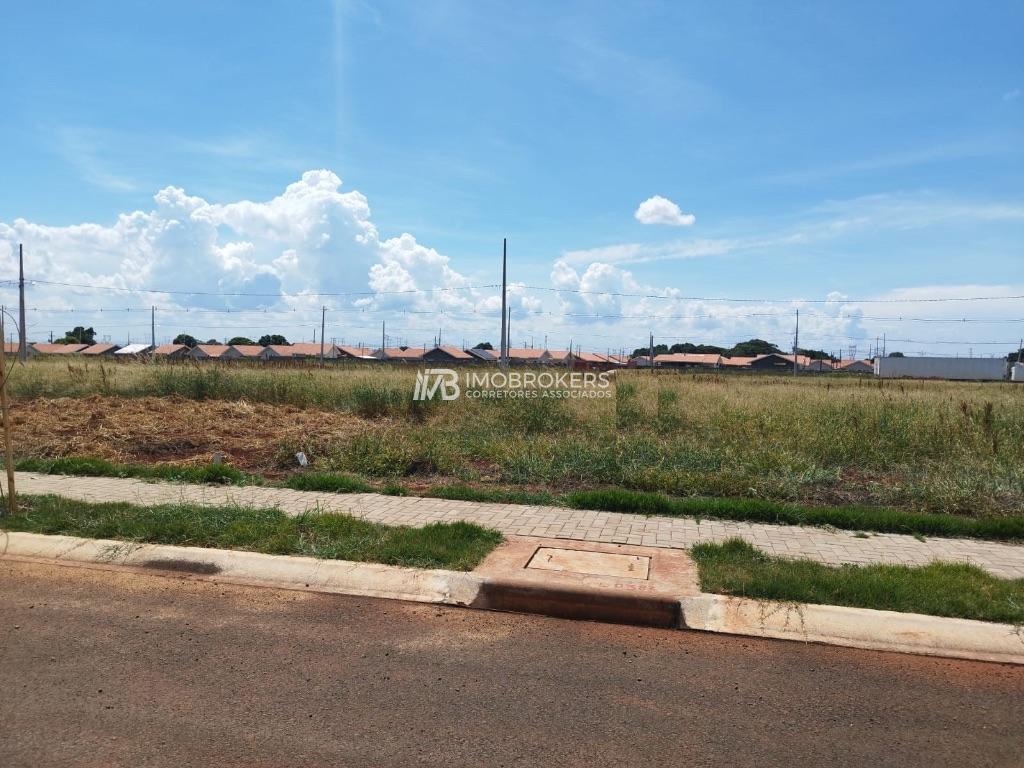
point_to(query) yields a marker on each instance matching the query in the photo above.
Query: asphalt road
(112, 668)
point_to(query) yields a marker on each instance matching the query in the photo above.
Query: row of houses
(768, 362)
(448, 355)
(444, 355)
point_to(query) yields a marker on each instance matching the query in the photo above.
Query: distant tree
(696, 349)
(1014, 357)
(241, 340)
(815, 354)
(186, 339)
(752, 348)
(896, 354)
(659, 349)
(273, 338)
(484, 345)
(212, 341)
(78, 335)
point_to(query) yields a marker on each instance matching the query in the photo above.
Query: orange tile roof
(355, 351)
(59, 349)
(455, 352)
(689, 358)
(99, 349)
(412, 353)
(738, 362)
(248, 350)
(169, 349)
(212, 350)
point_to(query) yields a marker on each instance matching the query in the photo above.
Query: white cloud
(661, 210)
(1012, 95)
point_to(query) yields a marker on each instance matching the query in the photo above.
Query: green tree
(696, 349)
(186, 339)
(272, 338)
(896, 354)
(241, 340)
(78, 335)
(659, 349)
(484, 345)
(752, 348)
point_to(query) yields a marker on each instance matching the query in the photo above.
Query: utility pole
(22, 343)
(796, 344)
(508, 333)
(650, 349)
(323, 322)
(1020, 351)
(152, 326)
(383, 339)
(5, 412)
(503, 355)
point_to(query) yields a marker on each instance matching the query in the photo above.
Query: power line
(619, 294)
(547, 289)
(279, 295)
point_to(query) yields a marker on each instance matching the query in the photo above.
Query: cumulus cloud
(661, 210)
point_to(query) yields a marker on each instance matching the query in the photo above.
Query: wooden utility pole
(650, 350)
(5, 412)
(796, 344)
(503, 354)
(22, 343)
(152, 326)
(323, 321)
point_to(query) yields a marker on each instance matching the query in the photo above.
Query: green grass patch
(220, 474)
(457, 546)
(853, 518)
(956, 590)
(490, 495)
(328, 481)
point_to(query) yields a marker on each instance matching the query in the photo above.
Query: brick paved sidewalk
(831, 547)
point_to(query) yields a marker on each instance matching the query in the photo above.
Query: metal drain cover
(592, 563)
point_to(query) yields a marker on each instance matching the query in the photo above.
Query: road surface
(119, 668)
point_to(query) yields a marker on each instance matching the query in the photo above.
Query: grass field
(936, 447)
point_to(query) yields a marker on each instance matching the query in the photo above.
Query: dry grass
(951, 447)
(255, 437)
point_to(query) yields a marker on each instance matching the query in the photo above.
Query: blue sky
(825, 151)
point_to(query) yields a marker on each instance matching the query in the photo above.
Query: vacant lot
(933, 446)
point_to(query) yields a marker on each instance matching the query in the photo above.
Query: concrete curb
(856, 628)
(829, 624)
(252, 568)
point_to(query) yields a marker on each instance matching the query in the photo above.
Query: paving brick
(830, 547)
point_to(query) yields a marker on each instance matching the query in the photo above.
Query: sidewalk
(830, 547)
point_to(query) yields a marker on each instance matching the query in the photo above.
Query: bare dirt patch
(255, 437)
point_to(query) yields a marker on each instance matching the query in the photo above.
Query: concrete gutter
(856, 628)
(251, 568)
(833, 625)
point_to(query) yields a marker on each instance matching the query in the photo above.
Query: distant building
(130, 351)
(247, 351)
(214, 352)
(171, 352)
(348, 352)
(399, 355)
(448, 356)
(736, 363)
(686, 360)
(59, 349)
(855, 366)
(957, 368)
(100, 350)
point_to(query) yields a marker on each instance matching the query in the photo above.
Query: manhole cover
(593, 563)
